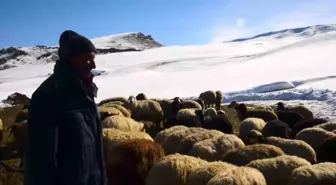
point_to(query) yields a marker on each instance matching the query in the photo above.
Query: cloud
(299, 14)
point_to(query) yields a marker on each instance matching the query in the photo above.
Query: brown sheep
(305, 124)
(131, 160)
(209, 98)
(304, 111)
(219, 99)
(243, 113)
(121, 99)
(289, 117)
(276, 128)
(20, 133)
(243, 156)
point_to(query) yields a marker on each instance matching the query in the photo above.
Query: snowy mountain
(15, 56)
(300, 33)
(263, 71)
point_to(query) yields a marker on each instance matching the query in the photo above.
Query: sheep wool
(277, 171)
(322, 174)
(188, 142)
(209, 98)
(172, 144)
(214, 149)
(121, 99)
(173, 169)
(203, 174)
(327, 126)
(190, 104)
(121, 108)
(131, 160)
(219, 99)
(239, 176)
(243, 156)
(122, 123)
(211, 112)
(250, 124)
(314, 136)
(108, 111)
(162, 135)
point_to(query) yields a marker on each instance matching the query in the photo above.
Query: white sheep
(250, 124)
(239, 176)
(122, 123)
(189, 117)
(215, 148)
(327, 126)
(173, 169)
(203, 174)
(317, 174)
(278, 170)
(162, 135)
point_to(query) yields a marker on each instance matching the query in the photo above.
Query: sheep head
(281, 106)
(233, 104)
(141, 96)
(255, 137)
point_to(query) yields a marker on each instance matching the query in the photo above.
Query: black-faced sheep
(289, 146)
(304, 111)
(243, 156)
(209, 98)
(203, 174)
(173, 169)
(214, 149)
(276, 128)
(131, 160)
(239, 176)
(314, 136)
(289, 117)
(141, 96)
(317, 174)
(219, 99)
(122, 123)
(278, 170)
(305, 124)
(188, 142)
(327, 152)
(120, 99)
(248, 125)
(243, 113)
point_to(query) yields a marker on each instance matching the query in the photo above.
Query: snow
(294, 70)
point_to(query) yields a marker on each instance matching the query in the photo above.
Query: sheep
(121, 108)
(146, 110)
(120, 99)
(278, 170)
(172, 143)
(209, 98)
(190, 104)
(289, 117)
(122, 123)
(219, 122)
(239, 176)
(162, 135)
(250, 124)
(234, 104)
(173, 169)
(219, 99)
(201, 102)
(20, 133)
(314, 136)
(321, 174)
(21, 116)
(188, 142)
(211, 112)
(243, 113)
(131, 160)
(108, 111)
(327, 126)
(190, 117)
(167, 107)
(243, 156)
(289, 146)
(305, 124)
(327, 151)
(304, 111)
(141, 96)
(215, 148)
(276, 128)
(203, 174)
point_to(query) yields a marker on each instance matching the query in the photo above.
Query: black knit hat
(72, 45)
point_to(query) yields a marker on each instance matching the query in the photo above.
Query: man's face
(83, 64)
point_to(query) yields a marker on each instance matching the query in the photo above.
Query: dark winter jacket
(65, 135)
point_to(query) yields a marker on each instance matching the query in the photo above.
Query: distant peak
(305, 32)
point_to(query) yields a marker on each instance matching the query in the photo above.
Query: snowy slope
(17, 56)
(254, 70)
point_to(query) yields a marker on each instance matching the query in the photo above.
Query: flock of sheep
(193, 142)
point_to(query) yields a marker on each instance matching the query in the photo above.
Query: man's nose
(92, 65)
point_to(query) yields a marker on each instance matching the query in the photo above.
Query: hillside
(16, 56)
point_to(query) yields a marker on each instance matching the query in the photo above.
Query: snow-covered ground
(254, 70)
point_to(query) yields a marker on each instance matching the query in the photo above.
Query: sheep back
(305, 124)
(121, 108)
(173, 169)
(314, 136)
(243, 156)
(190, 104)
(162, 135)
(276, 128)
(121, 99)
(327, 126)
(303, 110)
(147, 110)
(278, 170)
(327, 152)
(209, 97)
(250, 124)
(122, 123)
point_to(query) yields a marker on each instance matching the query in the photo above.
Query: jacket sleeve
(42, 143)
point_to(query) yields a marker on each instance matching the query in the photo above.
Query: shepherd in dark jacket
(65, 134)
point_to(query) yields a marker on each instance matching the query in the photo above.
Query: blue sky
(172, 22)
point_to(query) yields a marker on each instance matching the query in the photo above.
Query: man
(65, 134)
